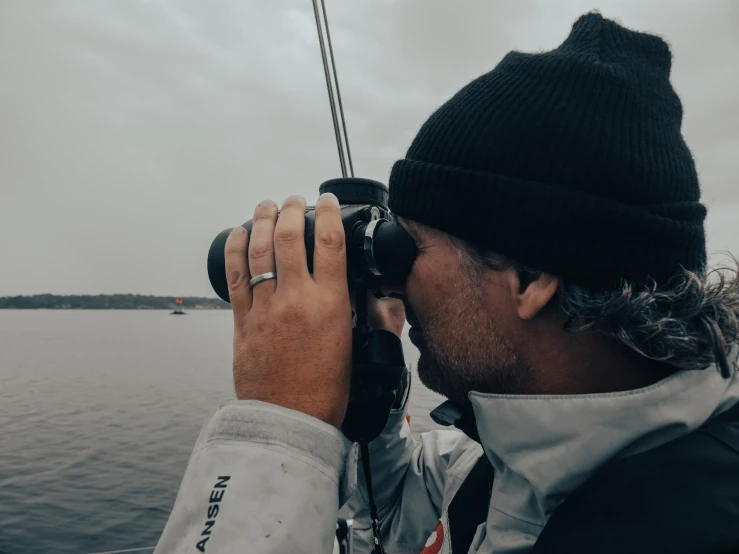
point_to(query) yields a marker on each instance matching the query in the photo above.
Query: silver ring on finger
(263, 277)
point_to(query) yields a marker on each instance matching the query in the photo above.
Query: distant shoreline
(110, 302)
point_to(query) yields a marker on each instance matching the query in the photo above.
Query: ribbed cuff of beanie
(580, 237)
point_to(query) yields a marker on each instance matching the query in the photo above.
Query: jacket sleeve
(408, 482)
(261, 479)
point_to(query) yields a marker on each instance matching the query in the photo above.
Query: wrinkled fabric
(289, 473)
(261, 479)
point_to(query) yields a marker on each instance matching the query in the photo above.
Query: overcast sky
(133, 131)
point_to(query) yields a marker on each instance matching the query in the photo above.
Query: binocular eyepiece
(379, 251)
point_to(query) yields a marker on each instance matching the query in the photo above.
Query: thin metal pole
(330, 91)
(338, 92)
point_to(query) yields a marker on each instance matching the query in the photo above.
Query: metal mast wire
(334, 117)
(338, 92)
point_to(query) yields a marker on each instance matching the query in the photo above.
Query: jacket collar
(552, 444)
(450, 413)
(543, 447)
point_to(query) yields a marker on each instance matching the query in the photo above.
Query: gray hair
(689, 323)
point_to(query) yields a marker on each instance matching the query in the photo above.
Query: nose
(410, 315)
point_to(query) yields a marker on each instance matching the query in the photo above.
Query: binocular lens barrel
(380, 252)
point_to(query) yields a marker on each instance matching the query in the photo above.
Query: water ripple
(100, 411)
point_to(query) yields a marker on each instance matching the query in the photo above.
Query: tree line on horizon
(109, 302)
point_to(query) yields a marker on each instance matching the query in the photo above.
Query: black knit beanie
(569, 161)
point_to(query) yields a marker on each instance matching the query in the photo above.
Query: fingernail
(329, 196)
(266, 204)
(238, 231)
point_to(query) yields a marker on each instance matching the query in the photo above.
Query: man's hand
(292, 335)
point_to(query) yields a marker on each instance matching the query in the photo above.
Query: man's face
(463, 321)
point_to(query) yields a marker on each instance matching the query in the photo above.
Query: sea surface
(99, 411)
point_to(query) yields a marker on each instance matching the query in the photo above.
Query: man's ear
(537, 294)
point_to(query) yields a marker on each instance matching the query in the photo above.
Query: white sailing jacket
(266, 480)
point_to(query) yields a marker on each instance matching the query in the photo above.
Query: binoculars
(380, 255)
(379, 251)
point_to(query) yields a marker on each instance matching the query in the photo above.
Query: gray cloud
(133, 131)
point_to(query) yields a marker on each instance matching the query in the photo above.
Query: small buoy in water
(178, 308)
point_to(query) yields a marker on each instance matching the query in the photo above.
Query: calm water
(99, 412)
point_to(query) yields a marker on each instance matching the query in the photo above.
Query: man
(559, 299)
